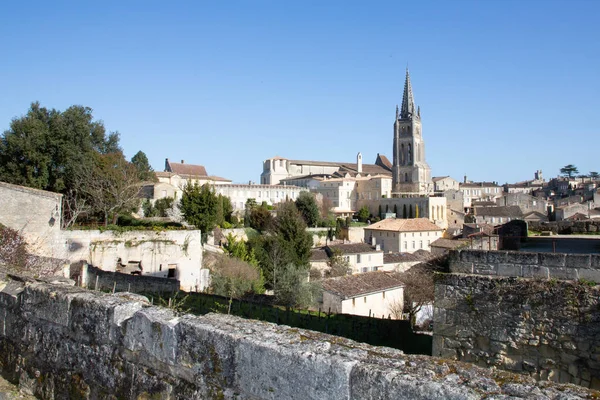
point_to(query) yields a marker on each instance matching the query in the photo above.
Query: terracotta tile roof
(395, 258)
(186, 169)
(449, 244)
(317, 255)
(478, 184)
(500, 211)
(350, 286)
(404, 225)
(353, 248)
(383, 161)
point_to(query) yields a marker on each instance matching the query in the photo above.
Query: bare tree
(338, 265)
(325, 207)
(234, 278)
(418, 288)
(74, 206)
(110, 185)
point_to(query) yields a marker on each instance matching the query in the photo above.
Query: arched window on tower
(405, 177)
(402, 158)
(409, 158)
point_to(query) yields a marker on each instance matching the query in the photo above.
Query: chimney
(359, 163)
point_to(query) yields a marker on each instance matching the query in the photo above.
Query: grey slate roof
(500, 211)
(350, 286)
(353, 248)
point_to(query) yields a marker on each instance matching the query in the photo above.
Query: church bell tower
(410, 172)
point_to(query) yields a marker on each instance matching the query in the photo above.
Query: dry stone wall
(63, 342)
(522, 312)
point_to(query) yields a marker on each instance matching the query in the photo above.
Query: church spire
(408, 102)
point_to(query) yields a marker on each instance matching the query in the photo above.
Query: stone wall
(526, 265)
(566, 227)
(34, 213)
(522, 312)
(64, 342)
(97, 279)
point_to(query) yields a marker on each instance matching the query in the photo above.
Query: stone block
(552, 259)
(474, 256)
(497, 257)
(590, 275)
(484, 269)
(49, 302)
(275, 363)
(461, 267)
(151, 334)
(563, 273)
(595, 261)
(517, 257)
(578, 261)
(510, 270)
(535, 271)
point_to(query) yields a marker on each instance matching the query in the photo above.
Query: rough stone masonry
(532, 313)
(63, 342)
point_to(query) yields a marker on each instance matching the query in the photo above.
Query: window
(364, 269)
(405, 245)
(353, 302)
(365, 299)
(413, 244)
(358, 258)
(421, 244)
(383, 293)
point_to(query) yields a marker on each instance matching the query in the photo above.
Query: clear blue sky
(505, 87)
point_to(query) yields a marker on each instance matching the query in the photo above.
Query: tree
(249, 206)
(410, 211)
(233, 278)
(198, 206)
(307, 206)
(363, 214)
(569, 170)
(42, 148)
(110, 184)
(325, 207)
(293, 288)
(418, 288)
(594, 175)
(261, 218)
(144, 170)
(404, 213)
(338, 265)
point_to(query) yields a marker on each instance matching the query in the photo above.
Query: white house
(378, 294)
(362, 257)
(402, 235)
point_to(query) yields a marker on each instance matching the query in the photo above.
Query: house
(361, 257)
(402, 235)
(473, 191)
(525, 201)
(444, 183)
(535, 216)
(239, 194)
(497, 215)
(378, 294)
(401, 262)
(180, 174)
(442, 246)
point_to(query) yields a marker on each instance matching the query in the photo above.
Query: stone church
(410, 172)
(411, 176)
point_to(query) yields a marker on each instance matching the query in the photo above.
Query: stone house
(361, 257)
(444, 183)
(402, 235)
(473, 191)
(180, 174)
(239, 194)
(442, 246)
(497, 215)
(525, 201)
(535, 216)
(401, 262)
(377, 294)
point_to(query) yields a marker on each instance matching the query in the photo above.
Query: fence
(379, 332)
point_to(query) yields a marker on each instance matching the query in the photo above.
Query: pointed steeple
(408, 102)
(397, 113)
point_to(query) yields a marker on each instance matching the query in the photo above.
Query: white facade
(346, 194)
(443, 183)
(402, 235)
(271, 194)
(379, 304)
(481, 191)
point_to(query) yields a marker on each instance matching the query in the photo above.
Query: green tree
(233, 278)
(594, 175)
(42, 148)
(261, 218)
(410, 211)
(163, 206)
(142, 165)
(363, 214)
(198, 206)
(404, 213)
(308, 208)
(569, 170)
(338, 265)
(293, 289)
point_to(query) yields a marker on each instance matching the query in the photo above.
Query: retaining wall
(63, 342)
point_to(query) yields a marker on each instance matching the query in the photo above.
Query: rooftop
(404, 225)
(449, 244)
(350, 286)
(353, 248)
(500, 211)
